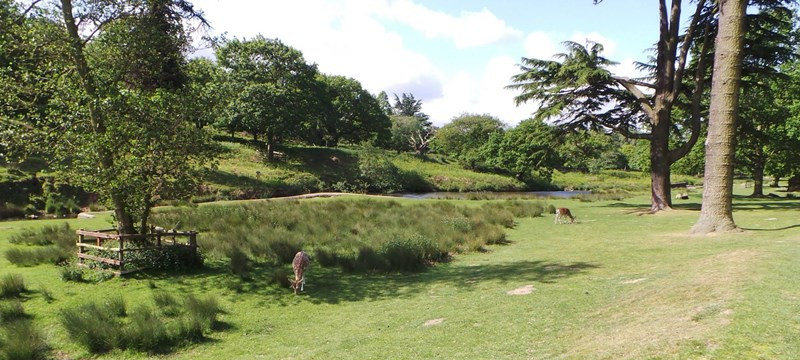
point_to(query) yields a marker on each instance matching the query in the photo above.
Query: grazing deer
(299, 265)
(562, 213)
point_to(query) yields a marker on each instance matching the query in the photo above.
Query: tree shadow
(333, 286)
(773, 229)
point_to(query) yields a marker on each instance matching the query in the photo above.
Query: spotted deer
(299, 265)
(561, 213)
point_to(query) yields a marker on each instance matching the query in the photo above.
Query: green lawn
(617, 284)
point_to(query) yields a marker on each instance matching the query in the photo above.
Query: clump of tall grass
(11, 310)
(51, 244)
(12, 285)
(93, 326)
(21, 340)
(104, 326)
(46, 235)
(356, 235)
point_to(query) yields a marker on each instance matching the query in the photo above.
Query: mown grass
(615, 285)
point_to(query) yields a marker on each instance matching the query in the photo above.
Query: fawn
(299, 265)
(562, 213)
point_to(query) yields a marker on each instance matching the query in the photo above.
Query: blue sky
(454, 55)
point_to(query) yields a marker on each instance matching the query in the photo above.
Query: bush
(240, 263)
(23, 341)
(12, 285)
(10, 311)
(377, 173)
(72, 273)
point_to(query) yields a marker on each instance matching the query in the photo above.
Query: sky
(455, 55)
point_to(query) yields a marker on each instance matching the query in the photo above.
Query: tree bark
(758, 174)
(661, 198)
(716, 214)
(98, 126)
(794, 183)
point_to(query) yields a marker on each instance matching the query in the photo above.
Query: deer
(562, 213)
(299, 265)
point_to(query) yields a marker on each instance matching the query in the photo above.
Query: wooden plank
(90, 246)
(96, 234)
(99, 259)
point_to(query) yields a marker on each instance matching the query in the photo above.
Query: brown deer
(299, 265)
(561, 213)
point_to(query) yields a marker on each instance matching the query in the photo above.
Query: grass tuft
(21, 340)
(12, 285)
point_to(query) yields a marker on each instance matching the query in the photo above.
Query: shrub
(23, 341)
(60, 235)
(92, 326)
(10, 311)
(205, 309)
(240, 263)
(168, 257)
(12, 285)
(377, 173)
(72, 273)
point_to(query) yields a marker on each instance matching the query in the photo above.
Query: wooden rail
(154, 238)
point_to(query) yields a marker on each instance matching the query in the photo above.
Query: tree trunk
(775, 181)
(716, 214)
(794, 183)
(98, 126)
(270, 150)
(758, 175)
(661, 198)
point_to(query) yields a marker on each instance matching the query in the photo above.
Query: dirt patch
(433, 322)
(664, 314)
(633, 281)
(525, 290)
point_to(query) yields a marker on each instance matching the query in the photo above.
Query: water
(490, 194)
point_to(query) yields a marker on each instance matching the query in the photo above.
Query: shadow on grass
(773, 229)
(332, 286)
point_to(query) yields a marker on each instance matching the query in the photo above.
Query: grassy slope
(308, 169)
(616, 285)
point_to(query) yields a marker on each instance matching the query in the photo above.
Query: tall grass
(21, 340)
(12, 285)
(11, 311)
(49, 244)
(103, 326)
(357, 235)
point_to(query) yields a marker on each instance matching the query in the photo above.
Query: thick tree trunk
(794, 183)
(716, 214)
(270, 150)
(758, 183)
(758, 177)
(661, 198)
(775, 181)
(106, 160)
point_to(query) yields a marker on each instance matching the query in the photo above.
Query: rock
(84, 215)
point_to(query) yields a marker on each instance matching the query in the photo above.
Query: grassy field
(617, 284)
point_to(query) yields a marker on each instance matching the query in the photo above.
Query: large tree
(272, 88)
(463, 136)
(716, 214)
(580, 91)
(115, 125)
(346, 112)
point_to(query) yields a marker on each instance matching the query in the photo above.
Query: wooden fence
(154, 240)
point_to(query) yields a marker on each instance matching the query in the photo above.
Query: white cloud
(464, 92)
(468, 29)
(540, 45)
(609, 46)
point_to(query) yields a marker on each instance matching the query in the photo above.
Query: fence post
(80, 248)
(121, 258)
(193, 241)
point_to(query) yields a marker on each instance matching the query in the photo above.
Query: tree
(348, 112)
(580, 91)
(272, 86)
(591, 151)
(409, 133)
(409, 106)
(205, 92)
(716, 214)
(464, 135)
(383, 102)
(525, 151)
(115, 125)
